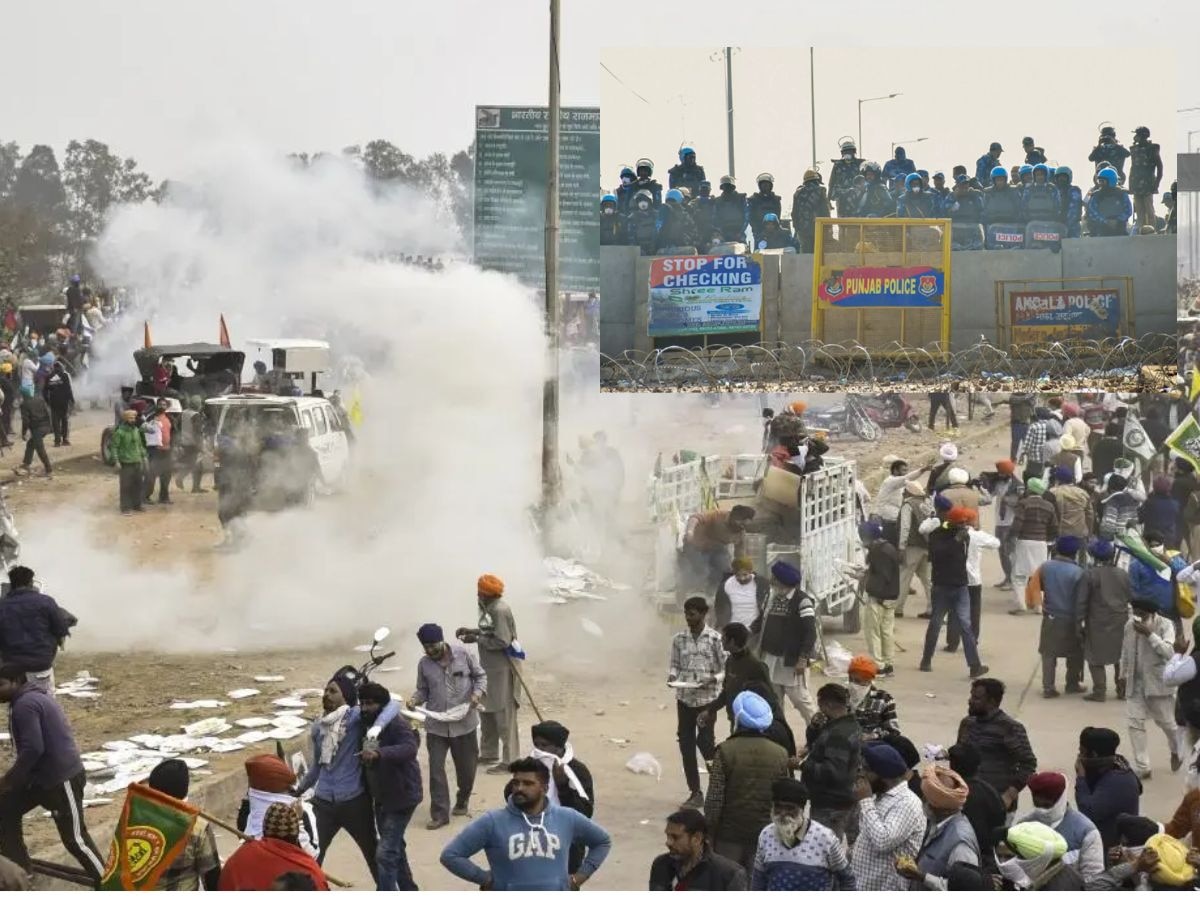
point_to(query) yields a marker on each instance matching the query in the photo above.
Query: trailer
(814, 523)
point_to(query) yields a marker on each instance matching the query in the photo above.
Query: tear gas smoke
(446, 464)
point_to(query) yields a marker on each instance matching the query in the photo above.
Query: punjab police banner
(705, 295)
(1053, 315)
(511, 160)
(903, 286)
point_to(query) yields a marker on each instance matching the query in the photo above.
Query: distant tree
(463, 204)
(385, 163)
(10, 160)
(29, 248)
(96, 179)
(38, 186)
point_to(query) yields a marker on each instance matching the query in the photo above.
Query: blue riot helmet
(685, 152)
(1109, 175)
(674, 195)
(770, 217)
(999, 172)
(911, 181)
(1044, 169)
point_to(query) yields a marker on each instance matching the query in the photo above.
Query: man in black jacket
(830, 770)
(948, 543)
(32, 627)
(742, 667)
(1006, 760)
(393, 776)
(788, 637)
(881, 590)
(47, 773)
(35, 425)
(984, 808)
(690, 863)
(60, 398)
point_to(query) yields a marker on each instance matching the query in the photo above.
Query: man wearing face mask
(625, 190)
(1105, 787)
(687, 174)
(774, 237)
(1148, 644)
(641, 225)
(645, 181)
(676, 230)
(809, 203)
(891, 821)
(841, 178)
(915, 203)
(449, 682)
(950, 839)
(796, 853)
(761, 203)
(612, 225)
(527, 842)
(1040, 199)
(830, 769)
(1085, 851)
(730, 213)
(876, 202)
(1029, 856)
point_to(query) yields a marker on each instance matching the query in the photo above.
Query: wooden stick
(517, 672)
(61, 872)
(245, 837)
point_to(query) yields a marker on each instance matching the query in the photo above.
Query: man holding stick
(498, 654)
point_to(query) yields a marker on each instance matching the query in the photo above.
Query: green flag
(1132, 541)
(1185, 440)
(153, 830)
(1135, 438)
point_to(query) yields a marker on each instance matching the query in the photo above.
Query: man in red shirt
(256, 864)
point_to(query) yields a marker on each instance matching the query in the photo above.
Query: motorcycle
(864, 416)
(360, 675)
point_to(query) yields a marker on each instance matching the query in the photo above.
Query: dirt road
(610, 692)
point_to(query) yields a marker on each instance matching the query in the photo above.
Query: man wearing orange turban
(951, 840)
(499, 654)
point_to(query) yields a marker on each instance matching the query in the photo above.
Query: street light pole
(896, 144)
(551, 475)
(812, 103)
(729, 104)
(860, 103)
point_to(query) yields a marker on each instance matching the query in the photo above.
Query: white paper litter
(453, 714)
(284, 734)
(288, 722)
(243, 693)
(207, 727)
(119, 745)
(180, 743)
(5, 736)
(227, 746)
(153, 741)
(80, 694)
(644, 764)
(253, 737)
(591, 628)
(569, 579)
(620, 742)
(413, 714)
(684, 685)
(96, 801)
(94, 765)
(198, 704)
(192, 763)
(252, 723)
(290, 703)
(266, 679)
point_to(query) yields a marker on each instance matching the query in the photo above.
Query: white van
(327, 434)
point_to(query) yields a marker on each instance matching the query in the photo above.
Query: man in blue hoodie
(341, 799)
(527, 842)
(47, 773)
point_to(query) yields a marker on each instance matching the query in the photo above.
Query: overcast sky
(942, 98)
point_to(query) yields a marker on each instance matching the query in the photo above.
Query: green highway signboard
(511, 163)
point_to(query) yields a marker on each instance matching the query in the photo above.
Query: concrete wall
(787, 288)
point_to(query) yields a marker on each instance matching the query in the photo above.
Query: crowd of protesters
(988, 205)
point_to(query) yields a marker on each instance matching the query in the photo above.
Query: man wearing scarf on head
(1163, 863)
(891, 822)
(256, 864)
(788, 637)
(341, 799)
(269, 780)
(950, 838)
(1085, 847)
(1030, 855)
(794, 852)
(1054, 588)
(1105, 787)
(499, 654)
(738, 804)
(938, 474)
(570, 780)
(1148, 644)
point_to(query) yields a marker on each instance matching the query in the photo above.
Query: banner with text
(903, 286)
(705, 295)
(1054, 315)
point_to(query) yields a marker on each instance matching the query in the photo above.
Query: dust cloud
(446, 463)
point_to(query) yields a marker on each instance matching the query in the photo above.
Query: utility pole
(551, 474)
(729, 104)
(812, 102)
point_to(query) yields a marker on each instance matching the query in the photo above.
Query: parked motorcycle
(864, 416)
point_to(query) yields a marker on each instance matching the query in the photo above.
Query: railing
(1116, 363)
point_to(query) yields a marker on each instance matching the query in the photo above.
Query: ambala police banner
(1053, 315)
(921, 287)
(705, 295)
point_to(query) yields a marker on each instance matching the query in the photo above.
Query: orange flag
(146, 338)
(223, 340)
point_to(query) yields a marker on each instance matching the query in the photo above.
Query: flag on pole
(152, 831)
(1135, 438)
(223, 337)
(146, 342)
(355, 412)
(1131, 542)
(1185, 440)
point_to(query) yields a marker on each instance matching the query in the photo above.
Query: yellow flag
(1195, 388)
(355, 413)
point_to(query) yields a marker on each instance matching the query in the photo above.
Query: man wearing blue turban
(788, 637)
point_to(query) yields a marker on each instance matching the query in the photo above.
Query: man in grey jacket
(47, 773)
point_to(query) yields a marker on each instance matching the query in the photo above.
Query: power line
(624, 85)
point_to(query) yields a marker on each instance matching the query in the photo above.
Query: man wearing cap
(1147, 645)
(199, 863)
(499, 654)
(987, 162)
(787, 632)
(449, 680)
(1101, 611)
(1034, 527)
(891, 821)
(1053, 588)
(830, 769)
(1085, 851)
(809, 203)
(913, 545)
(697, 659)
(795, 852)
(1105, 787)
(950, 839)
(881, 589)
(738, 803)
(741, 596)
(941, 194)
(948, 544)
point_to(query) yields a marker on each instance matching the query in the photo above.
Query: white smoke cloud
(446, 464)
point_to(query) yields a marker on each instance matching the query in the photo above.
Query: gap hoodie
(522, 855)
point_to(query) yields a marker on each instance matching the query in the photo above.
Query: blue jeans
(1017, 433)
(954, 601)
(391, 854)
